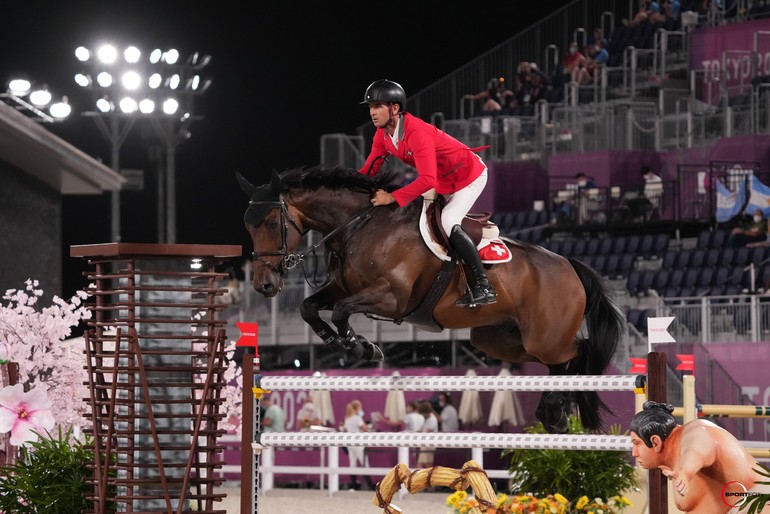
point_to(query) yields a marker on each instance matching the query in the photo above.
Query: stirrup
(477, 296)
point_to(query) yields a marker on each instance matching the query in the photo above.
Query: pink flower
(22, 412)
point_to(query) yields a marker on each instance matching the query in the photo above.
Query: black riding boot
(482, 291)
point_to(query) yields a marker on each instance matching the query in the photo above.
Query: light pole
(127, 87)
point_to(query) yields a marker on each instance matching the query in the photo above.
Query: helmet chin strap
(391, 122)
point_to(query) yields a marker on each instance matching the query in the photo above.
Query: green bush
(571, 473)
(49, 477)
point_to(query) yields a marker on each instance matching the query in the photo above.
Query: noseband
(291, 260)
(288, 261)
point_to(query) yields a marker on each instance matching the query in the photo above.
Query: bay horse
(379, 265)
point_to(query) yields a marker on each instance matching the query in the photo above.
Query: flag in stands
(729, 203)
(759, 197)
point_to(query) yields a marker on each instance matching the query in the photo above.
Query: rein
(291, 260)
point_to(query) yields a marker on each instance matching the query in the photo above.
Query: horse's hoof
(372, 352)
(353, 347)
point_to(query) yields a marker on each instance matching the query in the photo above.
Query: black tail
(606, 326)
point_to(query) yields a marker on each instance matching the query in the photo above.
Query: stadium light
(35, 101)
(157, 86)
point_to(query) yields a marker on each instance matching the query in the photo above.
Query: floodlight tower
(159, 88)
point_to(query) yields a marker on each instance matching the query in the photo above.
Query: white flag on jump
(656, 331)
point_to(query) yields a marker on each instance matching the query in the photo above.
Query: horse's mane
(337, 178)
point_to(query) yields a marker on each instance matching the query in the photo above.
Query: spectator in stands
(597, 35)
(413, 420)
(584, 185)
(495, 96)
(572, 60)
(448, 418)
(647, 8)
(273, 420)
(309, 414)
(597, 57)
(754, 232)
(425, 457)
(354, 423)
(702, 459)
(653, 192)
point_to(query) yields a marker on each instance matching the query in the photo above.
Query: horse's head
(274, 233)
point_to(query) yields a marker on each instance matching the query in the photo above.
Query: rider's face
(381, 113)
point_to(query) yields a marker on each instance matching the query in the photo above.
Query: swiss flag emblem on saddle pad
(493, 251)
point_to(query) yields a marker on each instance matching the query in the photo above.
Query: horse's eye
(272, 225)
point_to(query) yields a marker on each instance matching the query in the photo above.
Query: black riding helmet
(385, 90)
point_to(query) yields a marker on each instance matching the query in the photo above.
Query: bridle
(291, 260)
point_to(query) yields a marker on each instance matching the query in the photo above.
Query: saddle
(483, 232)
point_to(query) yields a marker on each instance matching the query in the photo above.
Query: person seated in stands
(647, 8)
(653, 189)
(754, 232)
(598, 34)
(572, 60)
(494, 96)
(597, 56)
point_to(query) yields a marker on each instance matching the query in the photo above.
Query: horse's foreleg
(311, 307)
(343, 339)
(366, 301)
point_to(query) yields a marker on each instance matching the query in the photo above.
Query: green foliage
(757, 502)
(571, 473)
(49, 477)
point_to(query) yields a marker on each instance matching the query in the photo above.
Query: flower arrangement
(461, 503)
(32, 337)
(593, 473)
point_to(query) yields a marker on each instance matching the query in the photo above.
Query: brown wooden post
(656, 391)
(247, 436)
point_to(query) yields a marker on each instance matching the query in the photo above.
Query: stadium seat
(579, 249)
(554, 245)
(592, 246)
(660, 245)
(669, 259)
(683, 259)
(661, 279)
(566, 247)
(726, 256)
(633, 243)
(626, 264)
(697, 258)
(619, 245)
(741, 256)
(632, 283)
(606, 245)
(676, 278)
(712, 257)
(612, 265)
(704, 239)
(646, 244)
(600, 263)
(719, 238)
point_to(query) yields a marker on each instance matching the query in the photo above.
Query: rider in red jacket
(442, 163)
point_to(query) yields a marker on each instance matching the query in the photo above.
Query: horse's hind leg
(554, 407)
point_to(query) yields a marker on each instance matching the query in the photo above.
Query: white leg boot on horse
(481, 292)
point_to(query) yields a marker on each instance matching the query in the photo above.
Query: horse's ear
(247, 186)
(275, 184)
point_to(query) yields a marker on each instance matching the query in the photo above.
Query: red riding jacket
(443, 163)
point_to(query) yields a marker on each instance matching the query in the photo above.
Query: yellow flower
(560, 498)
(582, 502)
(462, 495)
